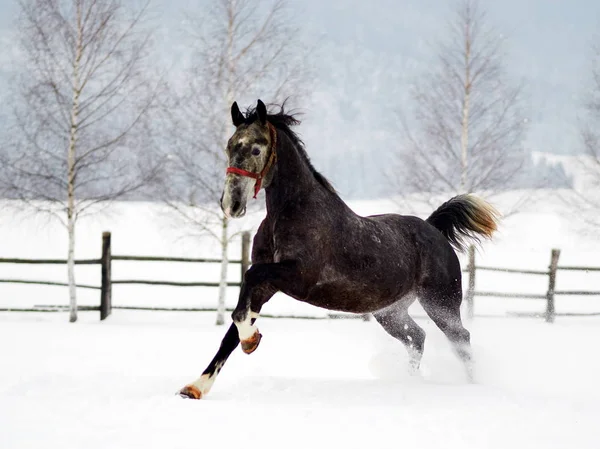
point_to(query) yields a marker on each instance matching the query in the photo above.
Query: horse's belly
(354, 298)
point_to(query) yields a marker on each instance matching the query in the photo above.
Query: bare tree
(84, 96)
(241, 50)
(586, 198)
(467, 126)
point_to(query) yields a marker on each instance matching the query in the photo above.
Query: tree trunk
(71, 214)
(71, 267)
(228, 96)
(464, 136)
(223, 278)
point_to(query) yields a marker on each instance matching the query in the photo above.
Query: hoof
(190, 392)
(250, 345)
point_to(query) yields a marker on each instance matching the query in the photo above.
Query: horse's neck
(292, 176)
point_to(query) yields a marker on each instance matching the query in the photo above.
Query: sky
(548, 47)
(369, 53)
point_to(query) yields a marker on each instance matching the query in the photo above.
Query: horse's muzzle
(237, 209)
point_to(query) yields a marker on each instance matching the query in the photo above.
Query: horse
(313, 247)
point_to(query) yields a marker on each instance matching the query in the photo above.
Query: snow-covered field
(310, 384)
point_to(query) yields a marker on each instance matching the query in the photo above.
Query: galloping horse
(312, 247)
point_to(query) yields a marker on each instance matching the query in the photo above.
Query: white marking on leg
(245, 328)
(205, 382)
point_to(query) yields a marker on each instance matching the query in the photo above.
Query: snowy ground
(322, 383)
(310, 384)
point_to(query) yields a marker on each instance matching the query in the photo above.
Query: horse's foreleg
(245, 315)
(261, 282)
(201, 386)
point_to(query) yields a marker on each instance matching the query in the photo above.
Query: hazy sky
(369, 52)
(548, 46)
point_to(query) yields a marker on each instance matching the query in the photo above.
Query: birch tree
(467, 125)
(80, 111)
(586, 200)
(241, 50)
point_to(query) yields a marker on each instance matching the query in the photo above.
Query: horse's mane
(283, 121)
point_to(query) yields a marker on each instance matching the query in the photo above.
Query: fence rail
(511, 295)
(566, 268)
(171, 259)
(549, 296)
(57, 308)
(61, 284)
(513, 270)
(51, 261)
(175, 284)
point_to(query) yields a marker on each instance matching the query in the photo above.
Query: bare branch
(467, 126)
(585, 200)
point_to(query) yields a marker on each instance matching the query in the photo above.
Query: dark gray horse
(312, 247)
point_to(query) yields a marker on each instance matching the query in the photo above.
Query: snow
(310, 384)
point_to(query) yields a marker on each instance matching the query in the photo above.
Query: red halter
(259, 176)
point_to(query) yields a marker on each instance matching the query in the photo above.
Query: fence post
(471, 286)
(245, 253)
(551, 285)
(106, 286)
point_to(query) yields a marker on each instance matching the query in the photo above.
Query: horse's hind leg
(443, 307)
(396, 322)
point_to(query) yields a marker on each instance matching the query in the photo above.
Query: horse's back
(437, 260)
(413, 229)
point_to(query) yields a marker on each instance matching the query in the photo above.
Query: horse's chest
(290, 245)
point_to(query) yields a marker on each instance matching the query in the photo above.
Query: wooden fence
(549, 295)
(107, 281)
(105, 262)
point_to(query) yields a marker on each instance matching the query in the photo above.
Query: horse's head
(250, 155)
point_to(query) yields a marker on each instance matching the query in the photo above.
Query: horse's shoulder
(262, 246)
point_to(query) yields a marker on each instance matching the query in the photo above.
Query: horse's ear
(236, 116)
(261, 110)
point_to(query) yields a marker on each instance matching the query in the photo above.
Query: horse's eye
(255, 151)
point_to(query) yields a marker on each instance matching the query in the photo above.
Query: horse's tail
(465, 216)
